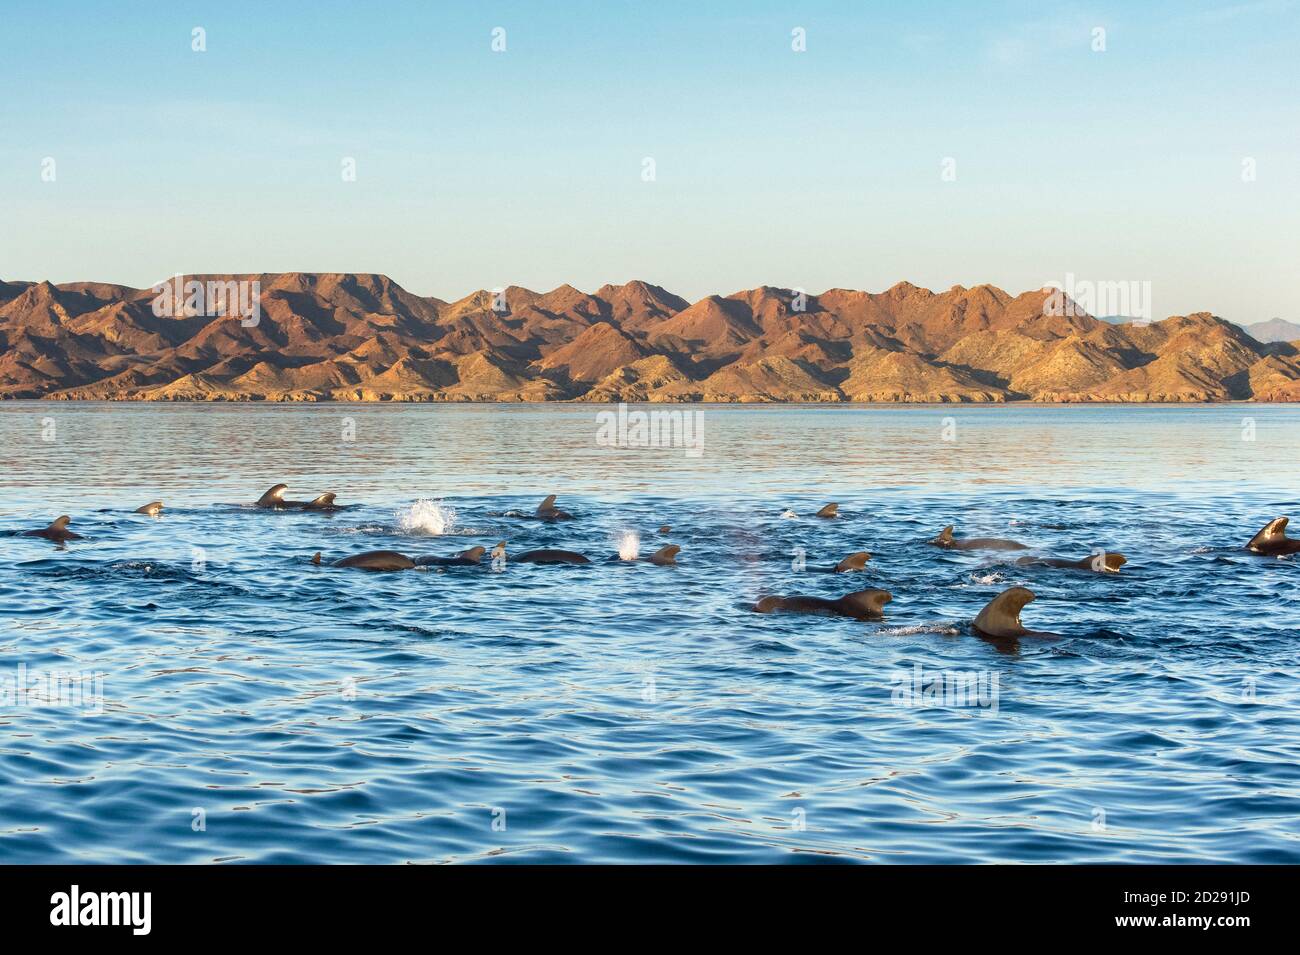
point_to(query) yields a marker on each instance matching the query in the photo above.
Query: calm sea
(222, 700)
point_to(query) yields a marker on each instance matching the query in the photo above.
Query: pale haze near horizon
(814, 169)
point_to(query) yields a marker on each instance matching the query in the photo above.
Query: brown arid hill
(347, 337)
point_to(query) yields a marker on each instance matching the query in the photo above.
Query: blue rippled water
(255, 708)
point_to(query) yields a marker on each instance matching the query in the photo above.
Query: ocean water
(226, 701)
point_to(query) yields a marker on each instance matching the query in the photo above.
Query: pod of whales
(860, 605)
(999, 619)
(1272, 540)
(948, 542)
(57, 530)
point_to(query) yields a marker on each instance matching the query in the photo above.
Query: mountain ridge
(362, 337)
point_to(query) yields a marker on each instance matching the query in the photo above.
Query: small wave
(426, 517)
(995, 577)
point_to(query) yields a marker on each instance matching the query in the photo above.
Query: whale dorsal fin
(323, 500)
(872, 601)
(315, 558)
(830, 510)
(153, 507)
(474, 553)
(1112, 561)
(853, 562)
(546, 505)
(273, 495)
(945, 535)
(1274, 531)
(60, 522)
(1001, 616)
(665, 555)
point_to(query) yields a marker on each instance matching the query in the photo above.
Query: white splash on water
(629, 545)
(943, 628)
(787, 514)
(992, 578)
(427, 517)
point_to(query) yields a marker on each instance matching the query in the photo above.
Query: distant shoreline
(302, 337)
(581, 403)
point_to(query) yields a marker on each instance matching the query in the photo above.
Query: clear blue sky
(813, 170)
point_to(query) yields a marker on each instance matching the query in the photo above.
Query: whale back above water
(465, 558)
(274, 497)
(860, 605)
(153, 509)
(57, 530)
(1001, 615)
(856, 561)
(665, 556)
(947, 541)
(551, 556)
(865, 604)
(372, 560)
(1108, 562)
(830, 510)
(1273, 540)
(547, 511)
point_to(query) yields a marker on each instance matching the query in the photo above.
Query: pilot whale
(550, 556)
(466, 558)
(663, 557)
(1001, 615)
(153, 509)
(1104, 563)
(1272, 539)
(274, 498)
(56, 531)
(547, 511)
(853, 562)
(948, 542)
(371, 560)
(830, 510)
(860, 605)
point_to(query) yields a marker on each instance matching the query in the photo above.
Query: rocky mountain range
(1274, 330)
(361, 337)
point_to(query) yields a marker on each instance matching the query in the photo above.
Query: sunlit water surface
(256, 708)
